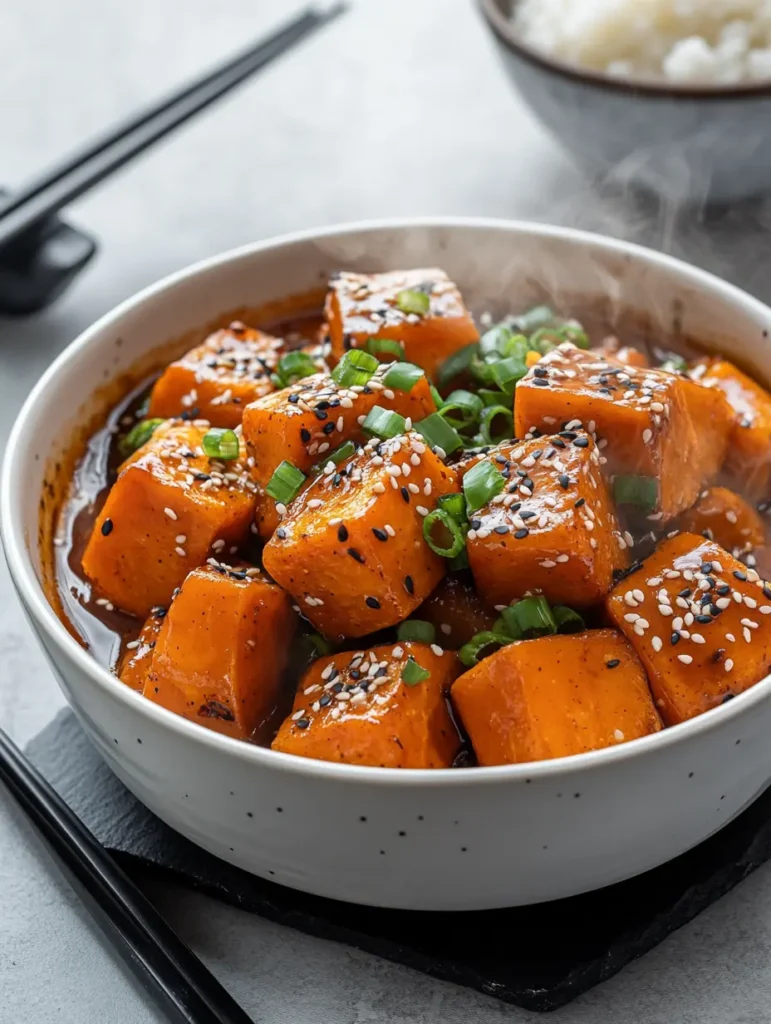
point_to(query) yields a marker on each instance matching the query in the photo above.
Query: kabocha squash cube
(700, 622)
(649, 423)
(551, 528)
(749, 452)
(223, 647)
(456, 612)
(170, 508)
(303, 423)
(556, 696)
(351, 549)
(725, 517)
(138, 654)
(217, 380)
(421, 309)
(366, 708)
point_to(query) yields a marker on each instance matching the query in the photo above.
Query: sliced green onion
(293, 366)
(340, 454)
(480, 484)
(674, 364)
(533, 617)
(383, 423)
(640, 491)
(459, 562)
(516, 347)
(474, 651)
(384, 346)
(456, 364)
(573, 331)
(410, 300)
(320, 643)
(506, 373)
(220, 443)
(545, 339)
(454, 505)
(403, 376)
(285, 484)
(416, 630)
(461, 409)
(538, 316)
(508, 624)
(568, 620)
(412, 673)
(482, 371)
(493, 341)
(438, 433)
(138, 435)
(438, 400)
(446, 522)
(356, 367)
(487, 424)
(495, 398)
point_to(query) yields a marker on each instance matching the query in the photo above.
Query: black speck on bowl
(702, 144)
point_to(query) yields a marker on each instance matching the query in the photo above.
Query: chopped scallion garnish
(438, 433)
(410, 300)
(438, 400)
(321, 645)
(385, 346)
(293, 366)
(416, 630)
(403, 376)
(461, 409)
(340, 454)
(532, 616)
(459, 562)
(568, 620)
(640, 491)
(138, 435)
(443, 534)
(286, 483)
(456, 364)
(479, 646)
(455, 506)
(356, 367)
(506, 373)
(571, 330)
(220, 443)
(383, 423)
(412, 673)
(480, 484)
(538, 316)
(496, 424)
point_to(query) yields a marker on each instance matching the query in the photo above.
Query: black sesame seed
(613, 663)
(281, 533)
(502, 529)
(685, 593)
(107, 527)
(723, 590)
(302, 723)
(675, 638)
(328, 428)
(405, 494)
(294, 399)
(476, 524)
(337, 687)
(380, 534)
(525, 515)
(540, 382)
(767, 591)
(305, 435)
(409, 585)
(579, 503)
(325, 699)
(321, 415)
(581, 442)
(740, 575)
(558, 443)
(706, 567)
(540, 371)
(356, 556)
(355, 674)
(569, 435)
(521, 534)
(342, 533)
(704, 619)
(564, 480)
(372, 602)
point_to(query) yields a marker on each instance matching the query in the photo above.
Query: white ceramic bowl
(435, 840)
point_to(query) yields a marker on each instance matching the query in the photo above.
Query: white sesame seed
(181, 538)
(724, 602)
(731, 637)
(548, 564)
(639, 596)
(750, 602)
(281, 508)
(446, 628)
(728, 665)
(643, 622)
(677, 623)
(378, 488)
(132, 645)
(697, 638)
(747, 635)
(618, 735)
(389, 530)
(563, 558)
(170, 513)
(421, 510)
(647, 435)
(665, 609)
(737, 597)
(438, 651)
(631, 617)
(629, 599)
(685, 658)
(181, 552)
(656, 643)
(298, 714)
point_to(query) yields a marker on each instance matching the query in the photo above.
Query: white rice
(716, 42)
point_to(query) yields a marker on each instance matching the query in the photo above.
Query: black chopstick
(47, 194)
(183, 985)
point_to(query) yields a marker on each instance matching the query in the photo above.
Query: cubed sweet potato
(216, 380)
(560, 695)
(355, 707)
(170, 508)
(456, 612)
(351, 549)
(748, 465)
(700, 622)
(301, 423)
(223, 647)
(137, 654)
(725, 517)
(552, 529)
(650, 422)
(364, 306)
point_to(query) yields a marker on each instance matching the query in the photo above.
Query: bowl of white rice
(656, 89)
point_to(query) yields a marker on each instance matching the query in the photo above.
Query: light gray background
(400, 108)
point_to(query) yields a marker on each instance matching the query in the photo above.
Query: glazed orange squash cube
(364, 306)
(357, 708)
(138, 654)
(456, 612)
(216, 380)
(700, 622)
(170, 508)
(302, 423)
(551, 529)
(553, 697)
(351, 549)
(648, 422)
(725, 517)
(749, 454)
(222, 649)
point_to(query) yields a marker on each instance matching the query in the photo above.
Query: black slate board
(538, 957)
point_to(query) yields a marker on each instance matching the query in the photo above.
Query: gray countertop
(400, 108)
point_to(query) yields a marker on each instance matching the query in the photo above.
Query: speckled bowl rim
(32, 595)
(631, 87)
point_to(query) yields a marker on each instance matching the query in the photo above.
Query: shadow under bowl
(692, 144)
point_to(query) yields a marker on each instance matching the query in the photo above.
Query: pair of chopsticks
(47, 194)
(183, 985)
